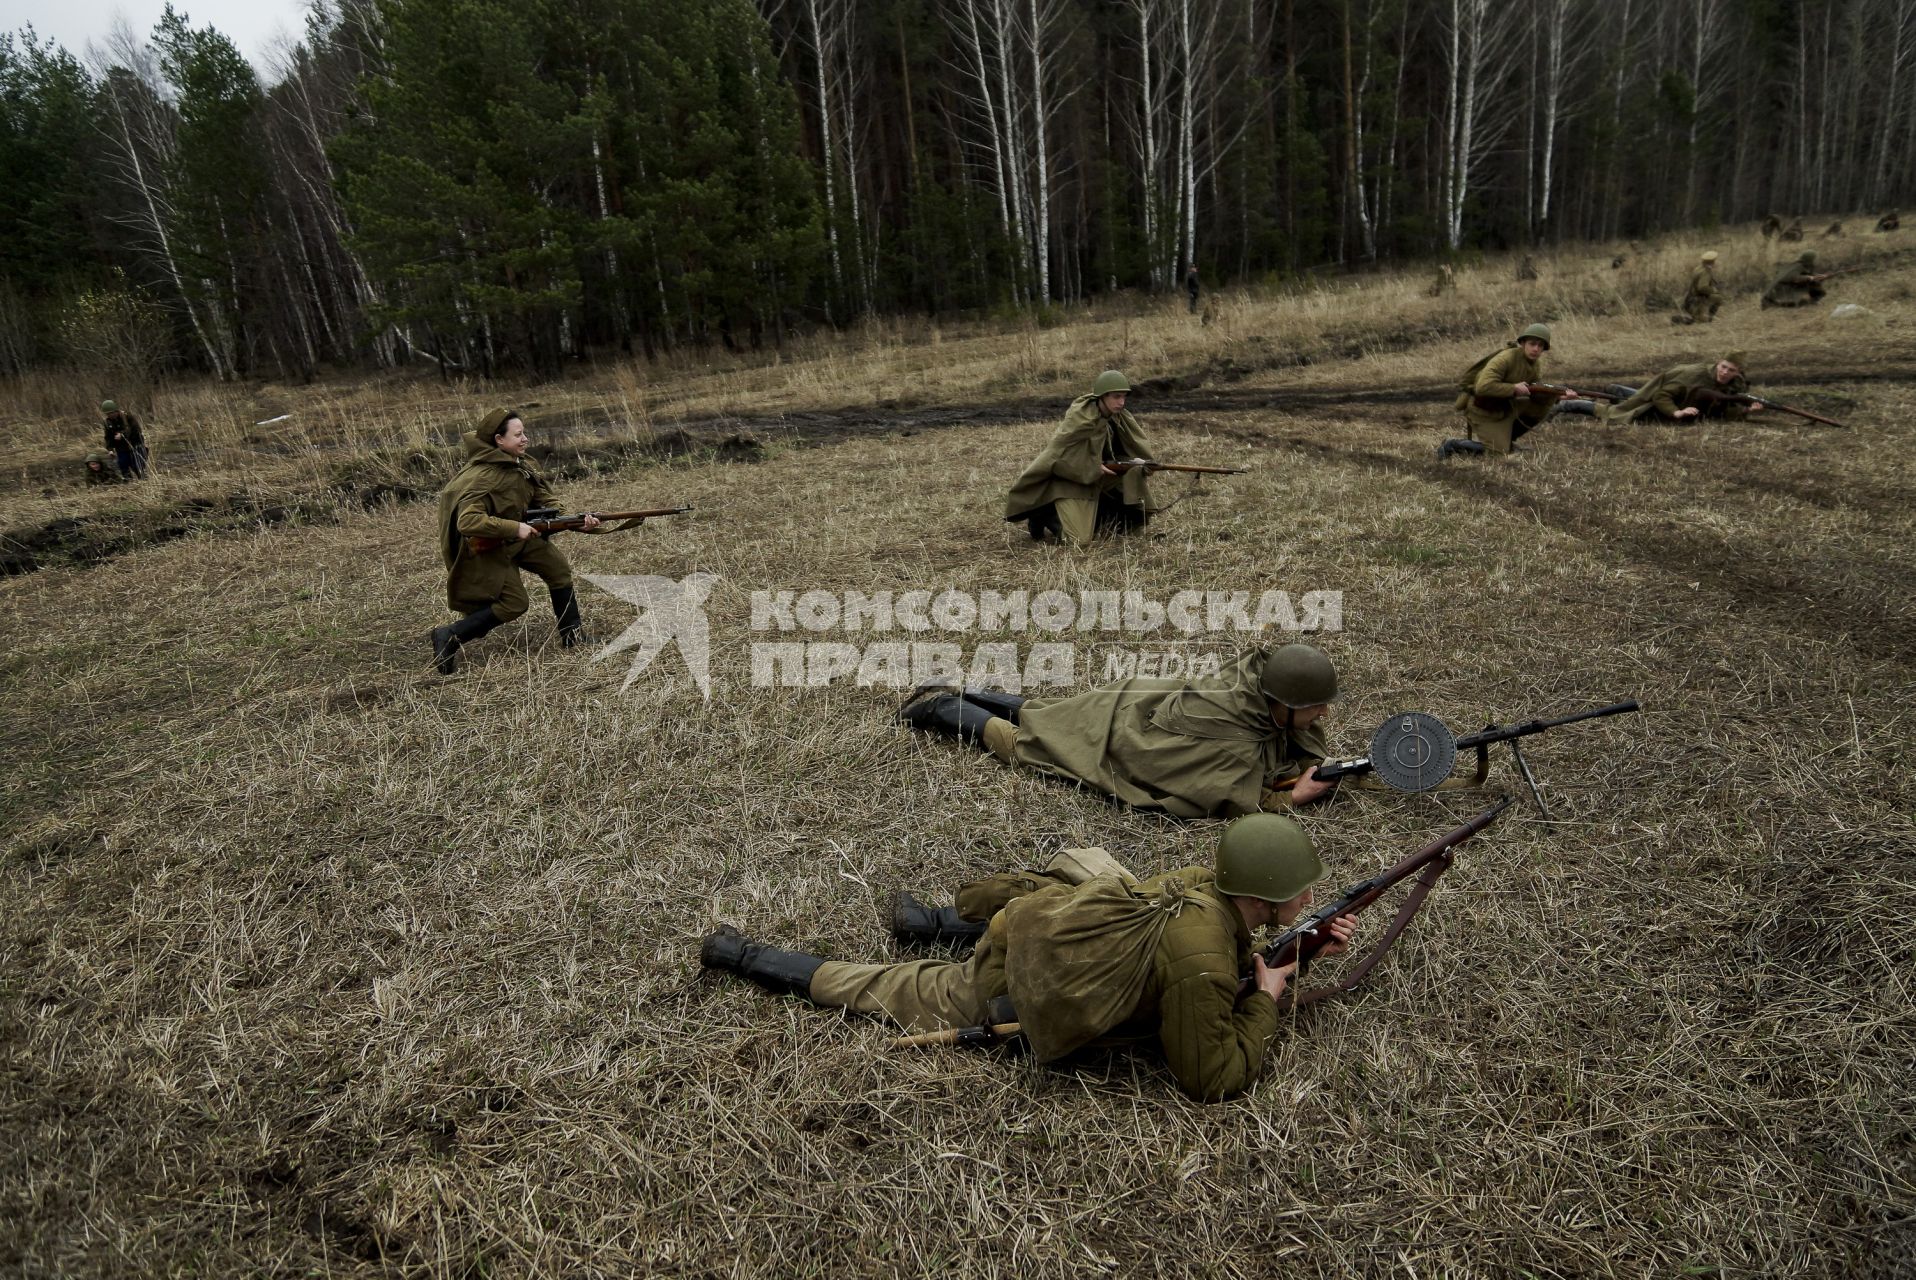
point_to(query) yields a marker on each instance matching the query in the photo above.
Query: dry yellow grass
(317, 963)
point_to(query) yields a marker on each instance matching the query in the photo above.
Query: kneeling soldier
(1204, 748)
(488, 499)
(1111, 958)
(1071, 490)
(1497, 398)
(1799, 285)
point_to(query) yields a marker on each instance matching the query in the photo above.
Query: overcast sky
(254, 25)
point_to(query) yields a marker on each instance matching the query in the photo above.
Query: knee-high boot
(782, 972)
(449, 639)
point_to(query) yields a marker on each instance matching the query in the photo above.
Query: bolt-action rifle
(1708, 396)
(1303, 940)
(546, 521)
(1152, 464)
(1413, 751)
(1559, 391)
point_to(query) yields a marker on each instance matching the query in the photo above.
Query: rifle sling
(1415, 901)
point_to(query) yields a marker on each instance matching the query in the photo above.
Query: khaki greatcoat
(488, 499)
(1490, 403)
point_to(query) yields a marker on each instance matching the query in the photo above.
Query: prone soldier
(1158, 959)
(1209, 747)
(99, 469)
(1799, 285)
(1683, 394)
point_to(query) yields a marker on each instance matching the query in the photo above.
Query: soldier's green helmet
(1298, 675)
(1108, 381)
(1268, 856)
(1809, 258)
(107, 406)
(1541, 332)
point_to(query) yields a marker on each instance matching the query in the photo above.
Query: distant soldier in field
(1772, 227)
(1109, 960)
(1070, 490)
(1214, 746)
(1833, 231)
(1703, 297)
(1890, 221)
(488, 499)
(125, 438)
(1192, 284)
(1446, 282)
(99, 469)
(1794, 231)
(1684, 394)
(1526, 269)
(1497, 398)
(1799, 285)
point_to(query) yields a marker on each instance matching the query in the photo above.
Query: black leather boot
(913, 921)
(1004, 705)
(781, 972)
(565, 607)
(1449, 447)
(949, 716)
(449, 639)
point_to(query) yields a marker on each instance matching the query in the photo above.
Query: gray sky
(254, 25)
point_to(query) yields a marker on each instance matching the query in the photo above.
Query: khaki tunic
(1675, 389)
(1703, 298)
(488, 499)
(1067, 471)
(1203, 748)
(1213, 1039)
(1491, 406)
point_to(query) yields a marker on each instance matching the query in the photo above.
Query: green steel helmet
(1809, 258)
(1541, 332)
(1298, 675)
(1268, 856)
(1108, 381)
(107, 406)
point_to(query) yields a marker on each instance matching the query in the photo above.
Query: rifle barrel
(1504, 733)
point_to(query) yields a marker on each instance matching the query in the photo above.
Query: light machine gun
(1413, 751)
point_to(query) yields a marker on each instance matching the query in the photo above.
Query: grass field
(314, 962)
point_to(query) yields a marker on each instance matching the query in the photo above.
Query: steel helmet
(1809, 258)
(1268, 856)
(1541, 332)
(107, 406)
(1108, 381)
(1298, 675)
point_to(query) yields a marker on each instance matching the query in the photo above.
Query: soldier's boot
(565, 607)
(449, 639)
(1577, 406)
(949, 716)
(1619, 391)
(781, 972)
(1040, 523)
(1449, 447)
(913, 921)
(1682, 320)
(1004, 705)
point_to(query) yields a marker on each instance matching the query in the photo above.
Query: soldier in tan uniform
(1070, 490)
(1496, 397)
(1686, 393)
(1215, 746)
(488, 499)
(1798, 285)
(1159, 959)
(1701, 301)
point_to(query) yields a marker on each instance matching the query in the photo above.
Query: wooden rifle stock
(1150, 464)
